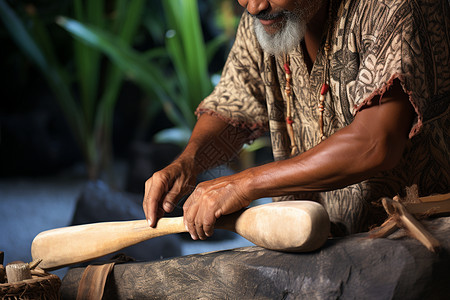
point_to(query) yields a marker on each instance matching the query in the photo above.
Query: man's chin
(280, 40)
(272, 26)
(271, 30)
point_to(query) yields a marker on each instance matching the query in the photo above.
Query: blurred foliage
(86, 74)
(175, 75)
(86, 97)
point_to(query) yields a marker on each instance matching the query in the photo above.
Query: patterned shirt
(373, 43)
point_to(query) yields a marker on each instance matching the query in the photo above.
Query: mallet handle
(74, 244)
(295, 226)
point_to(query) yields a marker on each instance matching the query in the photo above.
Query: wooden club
(291, 226)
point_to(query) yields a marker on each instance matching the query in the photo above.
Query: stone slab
(354, 267)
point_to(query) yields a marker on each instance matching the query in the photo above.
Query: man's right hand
(213, 141)
(166, 187)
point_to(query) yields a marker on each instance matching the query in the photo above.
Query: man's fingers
(173, 196)
(199, 216)
(208, 226)
(154, 190)
(189, 212)
(146, 204)
(170, 201)
(206, 219)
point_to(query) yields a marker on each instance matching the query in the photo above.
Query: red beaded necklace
(323, 91)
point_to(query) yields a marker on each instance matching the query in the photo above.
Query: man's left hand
(212, 199)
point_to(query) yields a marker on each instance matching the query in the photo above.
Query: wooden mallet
(292, 226)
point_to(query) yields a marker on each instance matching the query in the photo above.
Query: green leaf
(148, 76)
(178, 136)
(131, 20)
(30, 48)
(21, 36)
(88, 59)
(186, 47)
(126, 23)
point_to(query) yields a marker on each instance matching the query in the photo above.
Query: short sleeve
(239, 97)
(406, 40)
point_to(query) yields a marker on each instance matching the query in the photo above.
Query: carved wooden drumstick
(292, 226)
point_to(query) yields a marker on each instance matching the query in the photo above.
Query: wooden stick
(429, 207)
(32, 265)
(294, 226)
(394, 207)
(435, 198)
(385, 229)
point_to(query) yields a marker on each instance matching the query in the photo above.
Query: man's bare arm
(374, 141)
(213, 142)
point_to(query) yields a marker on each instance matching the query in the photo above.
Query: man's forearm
(333, 164)
(372, 143)
(213, 142)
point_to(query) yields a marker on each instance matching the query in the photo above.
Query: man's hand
(373, 142)
(166, 187)
(212, 199)
(211, 135)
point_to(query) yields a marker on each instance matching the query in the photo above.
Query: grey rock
(353, 267)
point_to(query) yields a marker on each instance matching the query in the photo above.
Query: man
(355, 95)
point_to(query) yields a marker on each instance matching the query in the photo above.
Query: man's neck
(314, 33)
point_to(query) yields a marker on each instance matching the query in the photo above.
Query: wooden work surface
(354, 267)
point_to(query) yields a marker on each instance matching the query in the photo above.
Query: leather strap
(92, 283)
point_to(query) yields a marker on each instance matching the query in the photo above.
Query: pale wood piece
(16, 272)
(394, 207)
(385, 229)
(429, 207)
(34, 263)
(425, 206)
(294, 226)
(74, 244)
(435, 198)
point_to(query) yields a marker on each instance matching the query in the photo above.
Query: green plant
(89, 115)
(176, 75)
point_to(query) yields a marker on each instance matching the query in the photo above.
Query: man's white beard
(285, 39)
